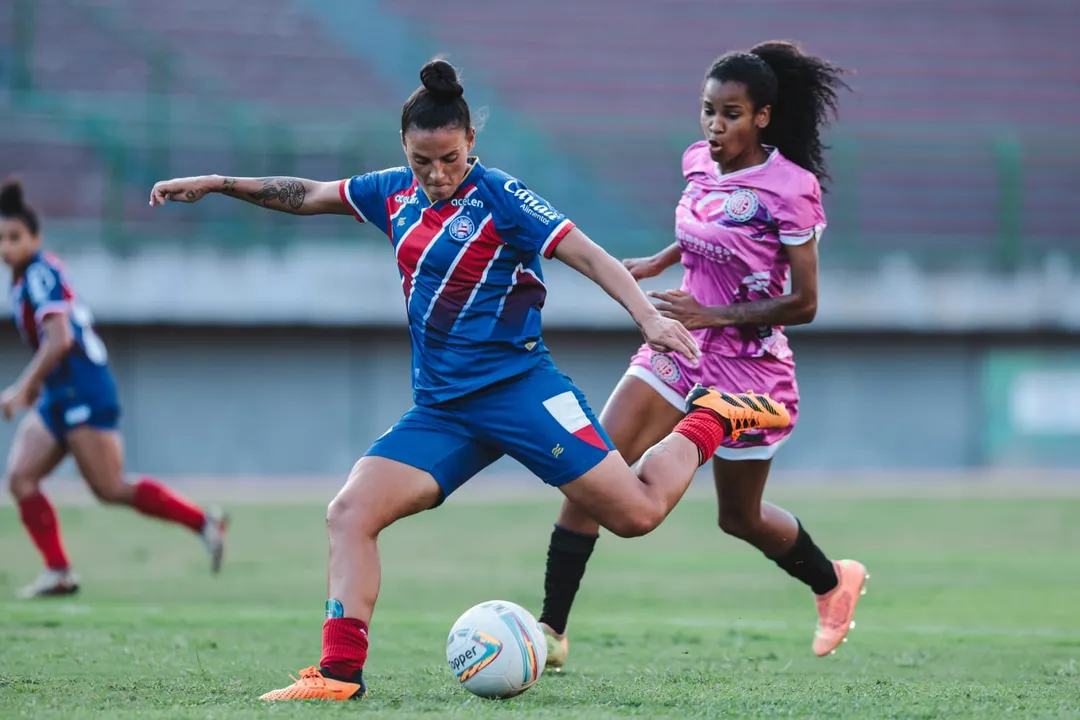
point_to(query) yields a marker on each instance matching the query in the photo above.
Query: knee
(348, 511)
(113, 494)
(21, 486)
(638, 523)
(341, 513)
(740, 523)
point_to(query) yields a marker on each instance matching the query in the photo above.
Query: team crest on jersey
(462, 228)
(741, 205)
(665, 368)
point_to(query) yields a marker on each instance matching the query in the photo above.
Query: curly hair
(802, 90)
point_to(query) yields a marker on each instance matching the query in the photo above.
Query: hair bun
(11, 197)
(441, 80)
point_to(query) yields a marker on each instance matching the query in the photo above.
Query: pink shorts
(672, 376)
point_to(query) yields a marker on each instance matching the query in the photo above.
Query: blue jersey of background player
(468, 243)
(79, 389)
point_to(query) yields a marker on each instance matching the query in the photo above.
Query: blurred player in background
(468, 242)
(749, 218)
(77, 409)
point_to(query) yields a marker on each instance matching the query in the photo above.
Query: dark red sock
(154, 499)
(704, 428)
(344, 647)
(40, 520)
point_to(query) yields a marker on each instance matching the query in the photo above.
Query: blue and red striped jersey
(43, 290)
(470, 271)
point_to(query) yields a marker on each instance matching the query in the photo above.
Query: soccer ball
(496, 649)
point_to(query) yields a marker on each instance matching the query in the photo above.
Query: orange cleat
(313, 685)
(836, 608)
(743, 411)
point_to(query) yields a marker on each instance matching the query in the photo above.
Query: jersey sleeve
(695, 161)
(800, 216)
(366, 196)
(527, 221)
(45, 291)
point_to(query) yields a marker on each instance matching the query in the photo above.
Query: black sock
(805, 562)
(568, 553)
(357, 677)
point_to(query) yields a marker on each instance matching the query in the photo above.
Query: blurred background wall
(249, 342)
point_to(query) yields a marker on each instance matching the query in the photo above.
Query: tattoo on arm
(276, 193)
(287, 191)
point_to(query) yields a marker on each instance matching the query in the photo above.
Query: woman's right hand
(642, 268)
(186, 190)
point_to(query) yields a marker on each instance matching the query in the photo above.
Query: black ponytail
(14, 207)
(802, 90)
(439, 102)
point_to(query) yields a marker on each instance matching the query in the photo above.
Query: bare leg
(739, 487)
(378, 493)
(34, 455)
(100, 456)
(635, 417)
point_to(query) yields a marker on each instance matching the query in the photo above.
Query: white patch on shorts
(77, 415)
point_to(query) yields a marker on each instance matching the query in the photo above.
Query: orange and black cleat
(313, 685)
(742, 411)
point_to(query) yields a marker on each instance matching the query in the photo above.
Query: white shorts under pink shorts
(672, 376)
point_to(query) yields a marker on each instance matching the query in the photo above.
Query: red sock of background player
(344, 647)
(39, 518)
(154, 499)
(704, 428)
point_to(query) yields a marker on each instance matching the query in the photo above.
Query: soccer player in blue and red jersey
(77, 409)
(468, 242)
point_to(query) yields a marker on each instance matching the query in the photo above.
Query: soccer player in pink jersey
(749, 220)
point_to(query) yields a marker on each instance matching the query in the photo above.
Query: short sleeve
(800, 216)
(366, 195)
(45, 290)
(527, 221)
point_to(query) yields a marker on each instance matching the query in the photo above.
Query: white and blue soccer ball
(496, 649)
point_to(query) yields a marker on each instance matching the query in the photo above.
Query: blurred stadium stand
(956, 164)
(958, 147)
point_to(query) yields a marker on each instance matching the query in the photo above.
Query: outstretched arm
(295, 196)
(592, 261)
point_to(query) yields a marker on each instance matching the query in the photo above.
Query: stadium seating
(932, 99)
(957, 144)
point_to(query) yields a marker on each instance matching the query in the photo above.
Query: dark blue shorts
(540, 419)
(81, 401)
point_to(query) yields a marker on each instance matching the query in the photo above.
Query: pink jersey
(732, 230)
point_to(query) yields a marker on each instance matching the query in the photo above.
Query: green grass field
(973, 611)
